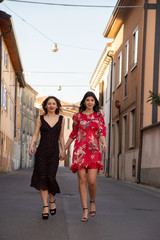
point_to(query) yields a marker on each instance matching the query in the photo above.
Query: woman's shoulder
(99, 115)
(76, 115)
(61, 116)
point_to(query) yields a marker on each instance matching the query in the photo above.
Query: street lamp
(59, 88)
(54, 47)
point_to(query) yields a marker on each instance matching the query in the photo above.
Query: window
(4, 97)
(126, 57)
(117, 138)
(113, 141)
(68, 123)
(125, 85)
(134, 47)
(132, 128)
(5, 59)
(28, 99)
(11, 111)
(119, 69)
(101, 93)
(124, 133)
(30, 103)
(113, 77)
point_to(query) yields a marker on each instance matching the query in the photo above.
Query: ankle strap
(53, 201)
(85, 208)
(92, 201)
(45, 206)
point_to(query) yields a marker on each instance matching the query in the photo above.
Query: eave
(117, 17)
(9, 37)
(102, 65)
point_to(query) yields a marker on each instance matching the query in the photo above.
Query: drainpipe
(1, 89)
(142, 94)
(21, 130)
(110, 121)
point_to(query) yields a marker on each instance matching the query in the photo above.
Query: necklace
(88, 113)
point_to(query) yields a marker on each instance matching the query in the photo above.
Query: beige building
(11, 84)
(28, 119)
(132, 70)
(100, 83)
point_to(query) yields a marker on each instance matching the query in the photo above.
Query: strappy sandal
(53, 211)
(84, 219)
(45, 215)
(92, 213)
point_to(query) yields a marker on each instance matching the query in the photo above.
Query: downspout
(110, 121)
(142, 95)
(21, 131)
(1, 89)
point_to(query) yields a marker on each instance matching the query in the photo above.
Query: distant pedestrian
(88, 129)
(51, 127)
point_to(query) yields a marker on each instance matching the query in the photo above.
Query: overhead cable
(72, 5)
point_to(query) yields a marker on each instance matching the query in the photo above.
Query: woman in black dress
(51, 127)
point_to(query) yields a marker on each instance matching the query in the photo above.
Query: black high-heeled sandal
(45, 215)
(84, 219)
(53, 211)
(92, 213)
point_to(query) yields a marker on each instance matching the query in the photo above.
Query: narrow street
(125, 211)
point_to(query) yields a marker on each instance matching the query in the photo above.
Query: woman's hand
(104, 147)
(30, 151)
(62, 155)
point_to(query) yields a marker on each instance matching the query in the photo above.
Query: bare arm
(35, 135)
(103, 142)
(68, 143)
(61, 138)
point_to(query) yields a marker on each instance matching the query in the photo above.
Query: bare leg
(92, 185)
(44, 196)
(82, 180)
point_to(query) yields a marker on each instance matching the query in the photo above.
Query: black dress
(47, 158)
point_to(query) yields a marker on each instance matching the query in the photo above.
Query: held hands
(62, 155)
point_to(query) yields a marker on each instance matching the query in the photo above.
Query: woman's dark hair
(45, 103)
(96, 107)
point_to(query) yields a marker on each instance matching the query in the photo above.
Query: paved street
(125, 211)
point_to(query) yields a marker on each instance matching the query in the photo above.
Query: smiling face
(89, 103)
(51, 105)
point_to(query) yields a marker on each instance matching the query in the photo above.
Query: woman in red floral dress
(88, 129)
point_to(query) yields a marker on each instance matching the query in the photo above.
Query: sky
(78, 32)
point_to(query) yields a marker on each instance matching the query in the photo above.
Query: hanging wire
(72, 5)
(27, 72)
(50, 85)
(30, 25)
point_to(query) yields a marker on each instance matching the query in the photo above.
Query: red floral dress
(86, 130)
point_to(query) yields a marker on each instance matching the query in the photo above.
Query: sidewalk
(125, 211)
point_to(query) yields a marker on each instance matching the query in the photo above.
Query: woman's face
(89, 103)
(51, 105)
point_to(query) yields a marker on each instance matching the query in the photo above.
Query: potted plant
(154, 98)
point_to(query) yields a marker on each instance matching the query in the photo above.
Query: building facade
(127, 38)
(101, 83)
(17, 116)
(11, 85)
(133, 70)
(28, 120)
(149, 160)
